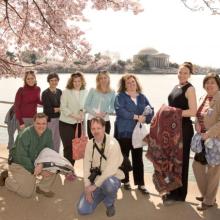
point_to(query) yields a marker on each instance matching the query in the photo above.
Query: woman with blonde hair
(130, 104)
(26, 100)
(72, 111)
(100, 101)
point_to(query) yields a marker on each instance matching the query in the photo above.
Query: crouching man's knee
(26, 193)
(22, 190)
(111, 185)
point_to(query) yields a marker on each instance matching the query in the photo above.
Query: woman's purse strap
(77, 127)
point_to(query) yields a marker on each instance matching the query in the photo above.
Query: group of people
(64, 114)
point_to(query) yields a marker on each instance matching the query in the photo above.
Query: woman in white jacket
(71, 109)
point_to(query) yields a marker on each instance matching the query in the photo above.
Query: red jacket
(26, 101)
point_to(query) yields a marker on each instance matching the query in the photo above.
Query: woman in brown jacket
(208, 124)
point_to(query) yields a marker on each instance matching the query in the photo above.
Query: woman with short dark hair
(130, 104)
(51, 107)
(208, 125)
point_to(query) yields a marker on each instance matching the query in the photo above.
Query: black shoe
(143, 190)
(127, 186)
(199, 198)
(110, 211)
(3, 176)
(49, 194)
(203, 207)
(167, 201)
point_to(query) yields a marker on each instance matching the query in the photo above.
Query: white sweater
(71, 104)
(109, 167)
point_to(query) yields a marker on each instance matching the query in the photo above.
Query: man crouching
(22, 172)
(102, 175)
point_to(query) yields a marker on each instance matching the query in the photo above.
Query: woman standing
(129, 106)
(208, 125)
(71, 109)
(26, 100)
(183, 97)
(51, 107)
(100, 101)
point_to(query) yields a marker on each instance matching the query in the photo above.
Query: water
(155, 87)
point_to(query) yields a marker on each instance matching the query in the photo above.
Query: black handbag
(126, 165)
(200, 157)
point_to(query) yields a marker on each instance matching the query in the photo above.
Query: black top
(50, 101)
(177, 99)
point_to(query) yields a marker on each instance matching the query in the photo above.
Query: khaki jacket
(212, 117)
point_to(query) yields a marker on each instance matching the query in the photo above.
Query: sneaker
(46, 194)
(143, 190)
(3, 176)
(110, 211)
(203, 207)
(127, 186)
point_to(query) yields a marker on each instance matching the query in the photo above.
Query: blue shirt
(125, 110)
(99, 102)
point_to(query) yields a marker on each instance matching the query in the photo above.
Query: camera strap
(101, 151)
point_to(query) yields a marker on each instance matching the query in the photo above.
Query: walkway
(129, 205)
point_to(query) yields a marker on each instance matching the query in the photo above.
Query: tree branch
(190, 8)
(7, 17)
(42, 15)
(13, 8)
(24, 24)
(207, 4)
(213, 10)
(45, 2)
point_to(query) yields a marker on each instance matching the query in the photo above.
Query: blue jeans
(106, 192)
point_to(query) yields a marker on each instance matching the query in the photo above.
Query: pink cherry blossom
(44, 26)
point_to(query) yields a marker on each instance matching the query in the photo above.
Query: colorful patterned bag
(79, 144)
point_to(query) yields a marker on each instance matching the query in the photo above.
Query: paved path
(129, 205)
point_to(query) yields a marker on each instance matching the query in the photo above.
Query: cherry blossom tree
(48, 25)
(199, 5)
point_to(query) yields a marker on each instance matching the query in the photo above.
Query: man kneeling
(22, 172)
(102, 175)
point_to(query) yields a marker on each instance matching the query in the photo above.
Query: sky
(166, 25)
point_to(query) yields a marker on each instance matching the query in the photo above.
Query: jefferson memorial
(154, 58)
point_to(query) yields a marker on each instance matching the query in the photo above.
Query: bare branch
(212, 9)
(201, 4)
(191, 8)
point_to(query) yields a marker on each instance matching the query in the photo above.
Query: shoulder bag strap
(101, 153)
(76, 131)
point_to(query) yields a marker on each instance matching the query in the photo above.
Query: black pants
(181, 192)
(67, 133)
(137, 160)
(107, 128)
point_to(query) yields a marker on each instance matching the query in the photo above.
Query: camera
(94, 172)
